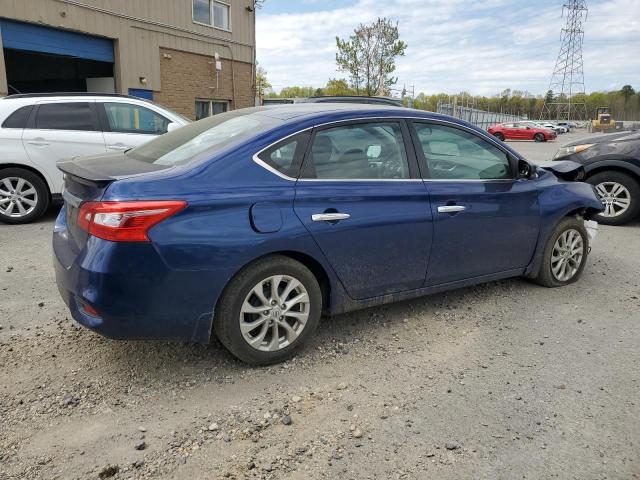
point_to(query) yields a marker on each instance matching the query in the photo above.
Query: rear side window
(286, 156)
(129, 118)
(18, 119)
(65, 116)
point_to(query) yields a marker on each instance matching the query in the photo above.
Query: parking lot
(500, 381)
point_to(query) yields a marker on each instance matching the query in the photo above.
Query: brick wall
(186, 77)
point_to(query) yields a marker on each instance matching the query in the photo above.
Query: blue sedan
(251, 224)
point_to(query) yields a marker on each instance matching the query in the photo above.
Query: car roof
(67, 94)
(310, 110)
(29, 98)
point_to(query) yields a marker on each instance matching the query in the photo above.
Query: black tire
(226, 322)
(539, 137)
(546, 277)
(41, 196)
(499, 136)
(632, 186)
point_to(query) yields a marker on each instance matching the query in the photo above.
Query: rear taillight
(125, 221)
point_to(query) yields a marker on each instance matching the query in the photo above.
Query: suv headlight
(566, 151)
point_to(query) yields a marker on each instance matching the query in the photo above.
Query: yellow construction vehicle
(602, 121)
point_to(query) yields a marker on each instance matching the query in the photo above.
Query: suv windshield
(207, 135)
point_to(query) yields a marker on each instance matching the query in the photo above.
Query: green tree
(627, 92)
(297, 92)
(262, 84)
(548, 97)
(338, 87)
(369, 56)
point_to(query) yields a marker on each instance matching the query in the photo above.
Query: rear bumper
(137, 296)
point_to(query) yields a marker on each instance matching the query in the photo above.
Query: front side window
(452, 154)
(207, 108)
(211, 12)
(129, 118)
(65, 116)
(358, 151)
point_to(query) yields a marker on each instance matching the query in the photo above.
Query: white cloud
(454, 45)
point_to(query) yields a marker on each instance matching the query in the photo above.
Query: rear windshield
(205, 136)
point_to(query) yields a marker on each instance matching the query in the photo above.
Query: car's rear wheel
(565, 254)
(620, 194)
(23, 196)
(539, 137)
(269, 310)
(499, 136)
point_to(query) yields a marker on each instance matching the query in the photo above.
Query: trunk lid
(87, 178)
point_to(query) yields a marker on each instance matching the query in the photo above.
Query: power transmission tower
(567, 99)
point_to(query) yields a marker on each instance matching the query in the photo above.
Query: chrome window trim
(269, 168)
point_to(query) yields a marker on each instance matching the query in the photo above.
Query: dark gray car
(612, 164)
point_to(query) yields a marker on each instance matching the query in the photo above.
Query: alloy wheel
(615, 197)
(274, 313)
(567, 254)
(18, 197)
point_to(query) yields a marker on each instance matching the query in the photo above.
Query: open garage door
(43, 59)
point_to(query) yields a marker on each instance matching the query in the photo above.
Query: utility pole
(567, 80)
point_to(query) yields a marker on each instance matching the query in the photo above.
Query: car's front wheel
(619, 193)
(565, 254)
(269, 310)
(499, 136)
(539, 137)
(23, 196)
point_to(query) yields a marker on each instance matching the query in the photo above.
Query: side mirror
(525, 169)
(173, 126)
(528, 128)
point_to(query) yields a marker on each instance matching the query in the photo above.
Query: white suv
(37, 130)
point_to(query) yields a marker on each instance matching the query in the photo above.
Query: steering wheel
(443, 165)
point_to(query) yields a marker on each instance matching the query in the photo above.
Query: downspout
(233, 76)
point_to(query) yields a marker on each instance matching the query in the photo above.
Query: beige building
(196, 57)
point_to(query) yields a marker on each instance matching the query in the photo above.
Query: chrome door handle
(451, 208)
(38, 142)
(329, 217)
(118, 147)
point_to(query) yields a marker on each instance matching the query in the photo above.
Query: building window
(211, 12)
(206, 108)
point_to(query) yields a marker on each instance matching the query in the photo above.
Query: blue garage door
(35, 38)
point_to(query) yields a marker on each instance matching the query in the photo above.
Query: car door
(509, 131)
(486, 221)
(519, 131)
(128, 125)
(361, 198)
(62, 129)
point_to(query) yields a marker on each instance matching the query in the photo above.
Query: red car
(521, 131)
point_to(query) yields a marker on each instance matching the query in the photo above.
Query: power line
(567, 99)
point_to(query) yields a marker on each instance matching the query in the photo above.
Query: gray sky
(481, 46)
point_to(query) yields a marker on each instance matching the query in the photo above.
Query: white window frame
(210, 103)
(212, 24)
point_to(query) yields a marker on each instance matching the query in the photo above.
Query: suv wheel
(268, 311)
(23, 196)
(620, 194)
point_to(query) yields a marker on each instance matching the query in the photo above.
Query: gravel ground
(501, 381)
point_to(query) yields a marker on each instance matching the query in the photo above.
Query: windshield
(205, 136)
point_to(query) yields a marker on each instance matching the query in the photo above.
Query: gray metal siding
(140, 28)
